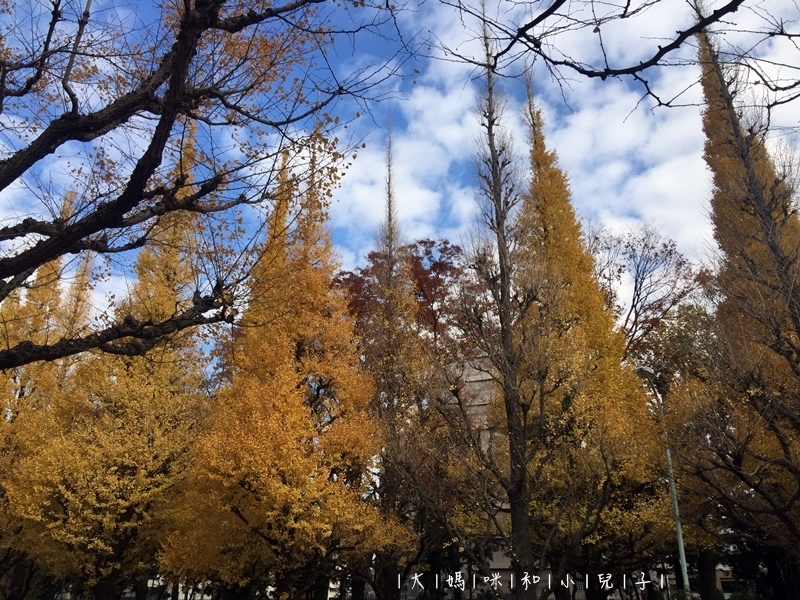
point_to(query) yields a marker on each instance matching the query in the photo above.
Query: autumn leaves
(433, 409)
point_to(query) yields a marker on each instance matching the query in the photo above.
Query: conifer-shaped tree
(555, 439)
(276, 495)
(48, 311)
(387, 314)
(586, 486)
(748, 411)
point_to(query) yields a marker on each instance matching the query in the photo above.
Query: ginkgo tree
(552, 458)
(285, 504)
(99, 449)
(45, 312)
(743, 446)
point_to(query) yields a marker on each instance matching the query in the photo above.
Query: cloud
(627, 159)
(433, 132)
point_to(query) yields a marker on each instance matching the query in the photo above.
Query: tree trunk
(386, 587)
(106, 588)
(140, 588)
(782, 573)
(321, 588)
(21, 576)
(357, 588)
(522, 549)
(559, 567)
(707, 571)
(651, 587)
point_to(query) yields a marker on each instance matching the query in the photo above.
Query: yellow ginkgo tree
(101, 449)
(549, 426)
(276, 496)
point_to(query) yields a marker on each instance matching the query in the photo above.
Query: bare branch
(129, 337)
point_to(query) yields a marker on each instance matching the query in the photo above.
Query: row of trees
(434, 408)
(118, 468)
(534, 437)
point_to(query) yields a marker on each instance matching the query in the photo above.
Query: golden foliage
(281, 472)
(560, 460)
(743, 446)
(99, 451)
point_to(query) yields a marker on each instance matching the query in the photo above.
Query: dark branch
(129, 337)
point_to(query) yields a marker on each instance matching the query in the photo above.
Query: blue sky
(627, 161)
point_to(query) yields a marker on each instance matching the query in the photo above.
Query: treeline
(435, 408)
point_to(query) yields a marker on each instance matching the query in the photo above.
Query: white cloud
(627, 160)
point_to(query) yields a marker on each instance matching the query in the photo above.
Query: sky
(628, 161)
